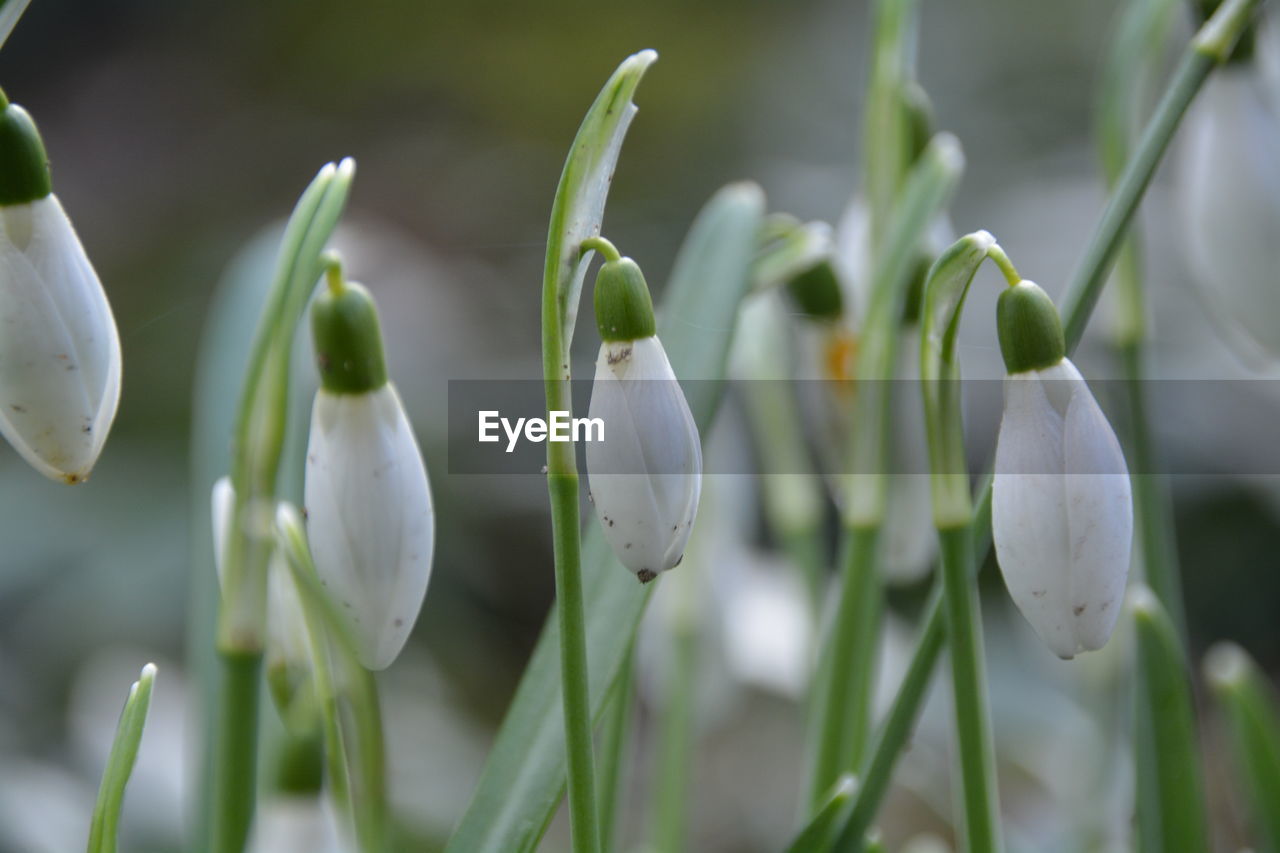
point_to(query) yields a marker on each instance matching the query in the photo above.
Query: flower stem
(235, 770)
(844, 710)
(563, 486)
(969, 689)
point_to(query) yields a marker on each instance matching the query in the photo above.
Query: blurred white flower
(60, 353)
(1062, 512)
(1230, 204)
(295, 824)
(646, 475)
(369, 517)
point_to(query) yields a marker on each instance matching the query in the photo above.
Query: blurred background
(182, 133)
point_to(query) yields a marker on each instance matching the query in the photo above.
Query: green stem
(368, 785)
(235, 769)
(1153, 508)
(969, 691)
(672, 789)
(614, 740)
(563, 486)
(844, 710)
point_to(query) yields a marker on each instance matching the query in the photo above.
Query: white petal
(1099, 519)
(1028, 512)
(369, 517)
(59, 350)
(910, 542)
(221, 504)
(645, 476)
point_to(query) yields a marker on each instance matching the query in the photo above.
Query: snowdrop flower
(287, 650)
(1230, 202)
(60, 353)
(369, 515)
(646, 473)
(1062, 513)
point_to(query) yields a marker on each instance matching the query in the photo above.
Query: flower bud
(369, 514)
(646, 474)
(287, 653)
(60, 353)
(1062, 511)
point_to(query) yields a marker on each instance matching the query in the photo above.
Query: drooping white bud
(646, 475)
(59, 351)
(369, 517)
(1062, 510)
(1230, 204)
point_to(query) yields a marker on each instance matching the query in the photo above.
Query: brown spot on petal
(645, 575)
(1079, 608)
(619, 355)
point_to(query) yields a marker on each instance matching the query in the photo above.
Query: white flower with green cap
(60, 352)
(370, 520)
(1062, 510)
(645, 476)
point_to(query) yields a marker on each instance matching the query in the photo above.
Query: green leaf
(1253, 717)
(1171, 812)
(524, 778)
(124, 751)
(584, 186)
(815, 837)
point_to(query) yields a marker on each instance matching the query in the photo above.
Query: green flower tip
(624, 309)
(1029, 328)
(348, 339)
(817, 293)
(24, 165)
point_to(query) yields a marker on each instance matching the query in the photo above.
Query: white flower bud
(287, 637)
(646, 475)
(59, 351)
(1230, 204)
(1062, 511)
(369, 517)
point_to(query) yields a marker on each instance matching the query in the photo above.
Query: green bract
(348, 340)
(24, 165)
(1029, 328)
(624, 309)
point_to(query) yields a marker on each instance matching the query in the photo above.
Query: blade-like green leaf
(524, 778)
(816, 836)
(124, 751)
(1249, 704)
(1170, 792)
(584, 186)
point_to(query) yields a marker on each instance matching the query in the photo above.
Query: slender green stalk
(1152, 504)
(124, 752)
(613, 748)
(850, 658)
(235, 769)
(1090, 277)
(672, 789)
(969, 692)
